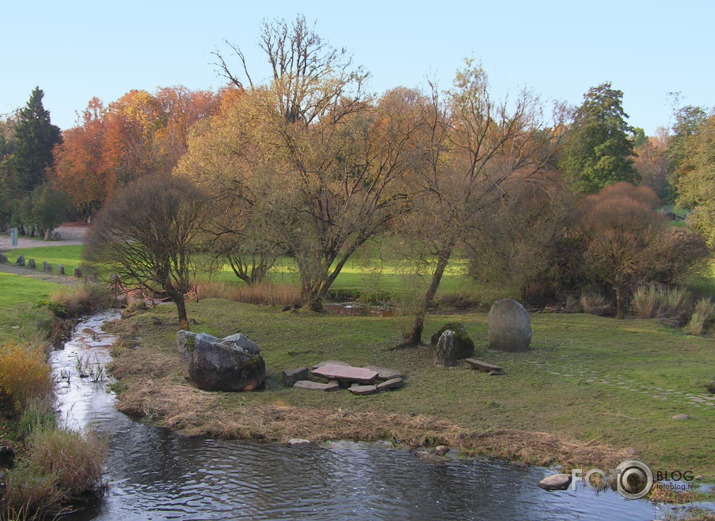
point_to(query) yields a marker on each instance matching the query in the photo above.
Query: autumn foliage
(24, 374)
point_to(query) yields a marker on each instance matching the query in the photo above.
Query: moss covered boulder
(463, 346)
(233, 363)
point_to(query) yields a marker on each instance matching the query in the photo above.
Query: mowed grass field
(19, 298)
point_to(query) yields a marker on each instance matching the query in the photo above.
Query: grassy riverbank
(602, 389)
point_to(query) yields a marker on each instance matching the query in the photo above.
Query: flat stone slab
(333, 362)
(362, 390)
(386, 374)
(315, 386)
(346, 373)
(291, 376)
(482, 366)
(393, 383)
(556, 482)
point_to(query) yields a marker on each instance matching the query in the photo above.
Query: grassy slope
(546, 389)
(17, 295)
(68, 256)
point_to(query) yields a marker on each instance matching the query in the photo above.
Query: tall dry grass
(80, 300)
(702, 317)
(24, 374)
(671, 305)
(259, 293)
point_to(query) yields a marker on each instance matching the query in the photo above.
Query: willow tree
(476, 149)
(147, 233)
(309, 155)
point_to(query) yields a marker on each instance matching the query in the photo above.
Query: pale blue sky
(75, 50)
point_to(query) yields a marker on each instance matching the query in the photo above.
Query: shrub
(671, 305)
(81, 300)
(29, 490)
(24, 374)
(703, 316)
(596, 304)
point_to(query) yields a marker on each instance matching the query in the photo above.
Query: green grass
(18, 296)
(556, 387)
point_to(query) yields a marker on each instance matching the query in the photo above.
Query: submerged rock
(230, 364)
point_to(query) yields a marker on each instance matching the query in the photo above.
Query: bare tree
(477, 149)
(147, 234)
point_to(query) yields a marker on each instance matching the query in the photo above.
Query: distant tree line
(545, 201)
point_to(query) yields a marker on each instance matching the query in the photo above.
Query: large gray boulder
(509, 326)
(228, 364)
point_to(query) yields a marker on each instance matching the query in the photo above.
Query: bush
(258, 293)
(672, 305)
(79, 301)
(596, 304)
(703, 316)
(24, 374)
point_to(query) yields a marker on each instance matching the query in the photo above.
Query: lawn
(588, 379)
(68, 256)
(18, 296)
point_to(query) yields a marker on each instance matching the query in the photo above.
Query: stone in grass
(77, 273)
(681, 417)
(3, 259)
(389, 385)
(444, 351)
(46, 267)
(20, 260)
(60, 269)
(297, 442)
(363, 390)
(509, 326)
(315, 386)
(463, 344)
(291, 376)
(556, 482)
(344, 373)
(32, 264)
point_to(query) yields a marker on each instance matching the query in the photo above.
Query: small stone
(46, 267)
(298, 441)
(315, 386)
(291, 376)
(7, 457)
(3, 259)
(496, 372)
(77, 273)
(31, 264)
(60, 269)
(556, 482)
(681, 417)
(441, 450)
(345, 373)
(20, 260)
(394, 383)
(363, 390)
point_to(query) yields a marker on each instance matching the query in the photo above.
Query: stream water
(154, 474)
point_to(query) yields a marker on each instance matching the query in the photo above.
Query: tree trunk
(620, 301)
(183, 316)
(414, 337)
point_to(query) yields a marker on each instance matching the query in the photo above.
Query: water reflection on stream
(154, 474)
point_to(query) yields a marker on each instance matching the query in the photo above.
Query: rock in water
(463, 345)
(509, 326)
(556, 482)
(445, 351)
(230, 364)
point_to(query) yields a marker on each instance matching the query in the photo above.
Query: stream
(155, 474)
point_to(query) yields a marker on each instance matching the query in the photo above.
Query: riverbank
(591, 393)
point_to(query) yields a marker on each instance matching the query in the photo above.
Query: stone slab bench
(482, 366)
(344, 373)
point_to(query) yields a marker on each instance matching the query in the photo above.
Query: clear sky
(76, 49)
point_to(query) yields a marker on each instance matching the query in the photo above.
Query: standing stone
(509, 326)
(463, 345)
(3, 259)
(291, 376)
(77, 273)
(444, 353)
(31, 264)
(46, 267)
(220, 365)
(60, 269)
(20, 261)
